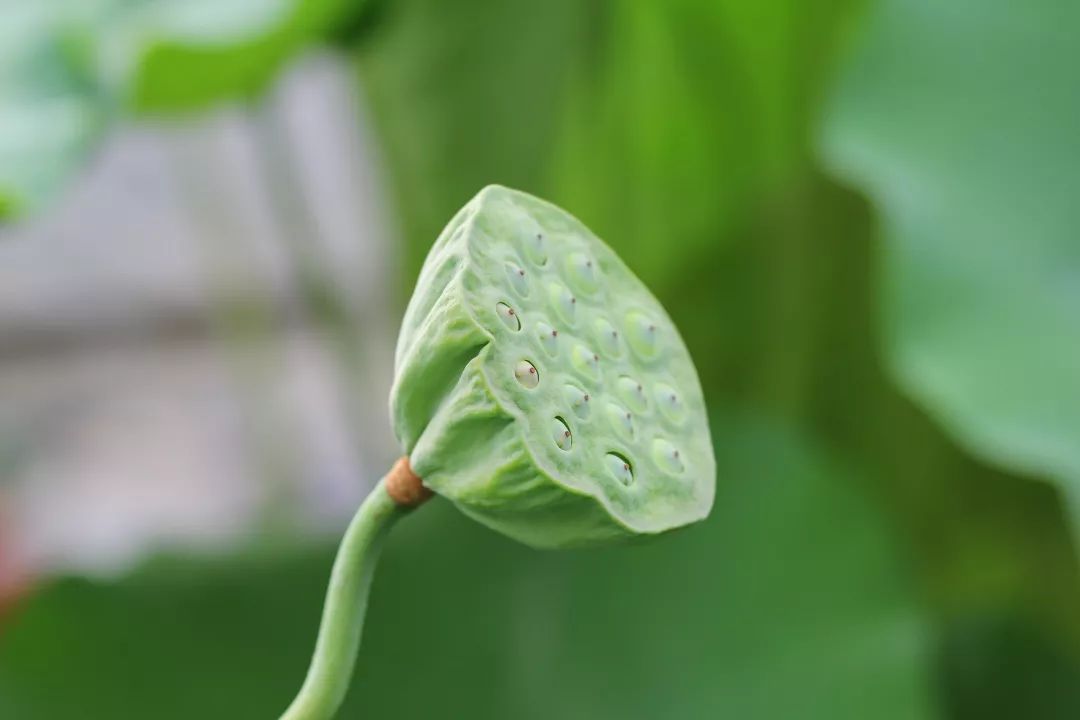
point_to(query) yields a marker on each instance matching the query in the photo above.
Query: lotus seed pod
(542, 389)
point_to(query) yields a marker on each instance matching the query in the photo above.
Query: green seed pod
(541, 387)
(538, 386)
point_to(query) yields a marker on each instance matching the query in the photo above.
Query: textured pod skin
(520, 312)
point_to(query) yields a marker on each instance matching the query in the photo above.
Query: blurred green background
(862, 216)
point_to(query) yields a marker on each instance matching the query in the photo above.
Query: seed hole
(621, 420)
(581, 273)
(526, 374)
(607, 337)
(670, 403)
(549, 338)
(536, 248)
(564, 302)
(585, 361)
(632, 393)
(515, 275)
(641, 334)
(578, 400)
(560, 433)
(667, 457)
(619, 468)
(508, 316)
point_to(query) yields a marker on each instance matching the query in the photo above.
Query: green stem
(343, 612)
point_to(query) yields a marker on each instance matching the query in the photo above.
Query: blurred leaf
(656, 123)
(788, 602)
(960, 120)
(50, 111)
(783, 320)
(176, 55)
(466, 94)
(66, 68)
(686, 112)
(1000, 666)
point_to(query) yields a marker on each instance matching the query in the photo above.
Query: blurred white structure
(197, 343)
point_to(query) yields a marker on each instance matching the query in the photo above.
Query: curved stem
(343, 612)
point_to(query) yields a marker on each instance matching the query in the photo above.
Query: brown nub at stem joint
(403, 485)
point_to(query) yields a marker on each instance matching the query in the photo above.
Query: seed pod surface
(541, 387)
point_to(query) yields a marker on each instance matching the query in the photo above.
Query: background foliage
(861, 217)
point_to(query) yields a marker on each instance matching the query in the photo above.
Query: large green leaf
(788, 602)
(960, 120)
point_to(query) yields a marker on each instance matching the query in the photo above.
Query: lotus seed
(581, 271)
(578, 400)
(622, 420)
(619, 468)
(670, 404)
(632, 393)
(526, 374)
(641, 334)
(667, 457)
(607, 337)
(548, 337)
(560, 433)
(565, 303)
(508, 316)
(517, 279)
(585, 361)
